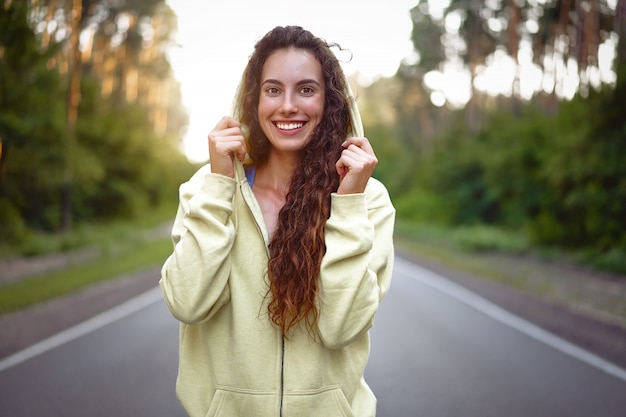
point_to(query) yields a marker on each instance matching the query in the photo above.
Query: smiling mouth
(289, 126)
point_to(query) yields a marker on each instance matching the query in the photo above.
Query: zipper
(282, 354)
(251, 206)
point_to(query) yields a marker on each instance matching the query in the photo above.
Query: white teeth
(289, 126)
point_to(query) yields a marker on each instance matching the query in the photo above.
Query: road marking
(112, 315)
(440, 283)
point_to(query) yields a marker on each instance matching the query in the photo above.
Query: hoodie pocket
(233, 402)
(325, 402)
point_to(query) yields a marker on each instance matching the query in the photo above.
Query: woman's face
(291, 101)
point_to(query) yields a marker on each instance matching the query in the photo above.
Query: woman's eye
(307, 90)
(272, 90)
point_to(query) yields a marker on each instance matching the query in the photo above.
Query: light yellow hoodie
(233, 361)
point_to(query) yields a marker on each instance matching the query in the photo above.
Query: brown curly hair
(297, 246)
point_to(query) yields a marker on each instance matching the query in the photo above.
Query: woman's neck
(276, 172)
(271, 185)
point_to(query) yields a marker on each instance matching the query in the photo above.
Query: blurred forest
(545, 161)
(90, 113)
(510, 115)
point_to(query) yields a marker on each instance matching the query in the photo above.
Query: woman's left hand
(356, 165)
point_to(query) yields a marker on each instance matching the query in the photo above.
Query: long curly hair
(298, 245)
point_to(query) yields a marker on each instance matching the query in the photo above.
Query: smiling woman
(214, 39)
(283, 245)
(291, 101)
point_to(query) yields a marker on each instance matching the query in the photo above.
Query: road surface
(441, 351)
(437, 350)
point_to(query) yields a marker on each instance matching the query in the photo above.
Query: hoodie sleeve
(356, 270)
(194, 279)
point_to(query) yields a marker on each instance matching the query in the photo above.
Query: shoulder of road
(597, 333)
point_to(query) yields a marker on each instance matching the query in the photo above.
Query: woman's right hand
(226, 140)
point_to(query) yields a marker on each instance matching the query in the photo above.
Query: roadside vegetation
(502, 186)
(506, 258)
(129, 257)
(541, 173)
(541, 183)
(101, 252)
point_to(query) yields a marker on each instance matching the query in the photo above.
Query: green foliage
(11, 222)
(31, 123)
(556, 177)
(612, 259)
(391, 159)
(423, 205)
(120, 167)
(103, 234)
(40, 288)
(556, 180)
(468, 239)
(488, 238)
(586, 173)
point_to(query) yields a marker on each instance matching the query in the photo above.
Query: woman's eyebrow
(305, 81)
(309, 81)
(271, 81)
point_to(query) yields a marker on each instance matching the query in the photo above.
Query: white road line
(488, 308)
(116, 313)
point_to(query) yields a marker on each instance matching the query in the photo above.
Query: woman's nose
(289, 105)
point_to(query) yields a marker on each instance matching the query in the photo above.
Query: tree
(558, 35)
(121, 153)
(31, 121)
(73, 100)
(620, 29)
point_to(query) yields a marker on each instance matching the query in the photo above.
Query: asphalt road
(126, 368)
(437, 350)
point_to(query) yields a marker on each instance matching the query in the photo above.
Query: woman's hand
(356, 165)
(226, 140)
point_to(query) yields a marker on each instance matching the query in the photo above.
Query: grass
(37, 289)
(455, 249)
(506, 258)
(102, 235)
(484, 252)
(119, 247)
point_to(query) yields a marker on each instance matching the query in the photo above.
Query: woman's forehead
(291, 64)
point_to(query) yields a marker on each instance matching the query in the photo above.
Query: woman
(279, 267)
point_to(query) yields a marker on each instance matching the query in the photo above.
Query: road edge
(23, 328)
(26, 327)
(603, 338)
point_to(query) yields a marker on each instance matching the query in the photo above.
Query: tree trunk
(73, 100)
(513, 46)
(620, 28)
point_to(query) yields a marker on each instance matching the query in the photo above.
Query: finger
(227, 145)
(226, 142)
(356, 163)
(356, 152)
(219, 138)
(227, 122)
(360, 157)
(359, 142)
(231, 132)
(352, 164)
(342, 168)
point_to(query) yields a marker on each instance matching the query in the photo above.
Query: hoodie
(233, 361)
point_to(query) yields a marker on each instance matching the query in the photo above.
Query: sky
(216, 38)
